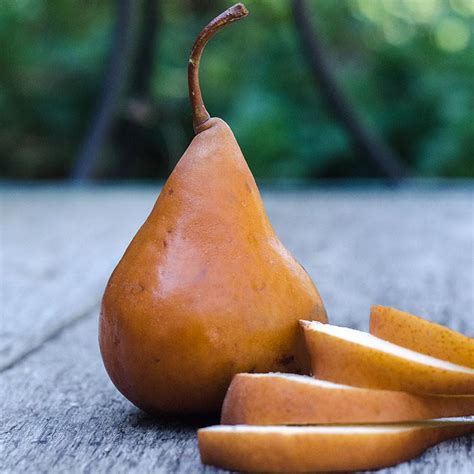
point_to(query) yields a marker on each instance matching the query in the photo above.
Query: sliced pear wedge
(356, 358)
(285, 399)
(424, 336)
(321, 448)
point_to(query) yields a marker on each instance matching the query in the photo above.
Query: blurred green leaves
(407, 66)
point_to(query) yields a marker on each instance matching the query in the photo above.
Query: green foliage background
(406, 65)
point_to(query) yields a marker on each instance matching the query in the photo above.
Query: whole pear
(205, 289)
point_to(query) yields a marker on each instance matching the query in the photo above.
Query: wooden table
(410, 247)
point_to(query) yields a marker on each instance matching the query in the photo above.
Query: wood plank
(60, 413)
(407, 248)
(59, 246)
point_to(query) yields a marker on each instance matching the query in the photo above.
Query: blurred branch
(113, 86)
(136, 135)
(145, 51)
(370, 145)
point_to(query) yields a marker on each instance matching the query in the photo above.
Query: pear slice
(286, 399)
(352, 357)
(421, 335)
(321, 448)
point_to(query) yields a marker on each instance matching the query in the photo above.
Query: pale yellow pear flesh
(424, 336)
(287, 399)
(356, 358)
(205, 289)
(321, 448)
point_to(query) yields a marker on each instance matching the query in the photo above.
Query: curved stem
(200, 114)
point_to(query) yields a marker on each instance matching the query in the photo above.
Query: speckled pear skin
(282, 399)
(418, 334)
(205, 289)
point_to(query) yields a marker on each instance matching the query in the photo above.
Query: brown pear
(205, 289)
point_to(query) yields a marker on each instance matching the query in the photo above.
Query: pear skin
(287, 399)
(205, 289)
(420, 335)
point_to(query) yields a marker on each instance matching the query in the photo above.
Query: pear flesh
(356, 358)
(205, 289)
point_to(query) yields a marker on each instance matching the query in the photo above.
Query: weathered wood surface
(59, 248)
(60, 413)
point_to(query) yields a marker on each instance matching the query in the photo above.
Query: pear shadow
(136, 418)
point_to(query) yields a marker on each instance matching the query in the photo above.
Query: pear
(420, 335)
(352, 357)
(287, 399)
(321, 448)
(205, 289)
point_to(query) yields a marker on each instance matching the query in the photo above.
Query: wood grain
(59, 247)
(405, 247)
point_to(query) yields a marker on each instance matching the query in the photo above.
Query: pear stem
(200, 114)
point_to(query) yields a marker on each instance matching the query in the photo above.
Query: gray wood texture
(408, 247)
(58, 249)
